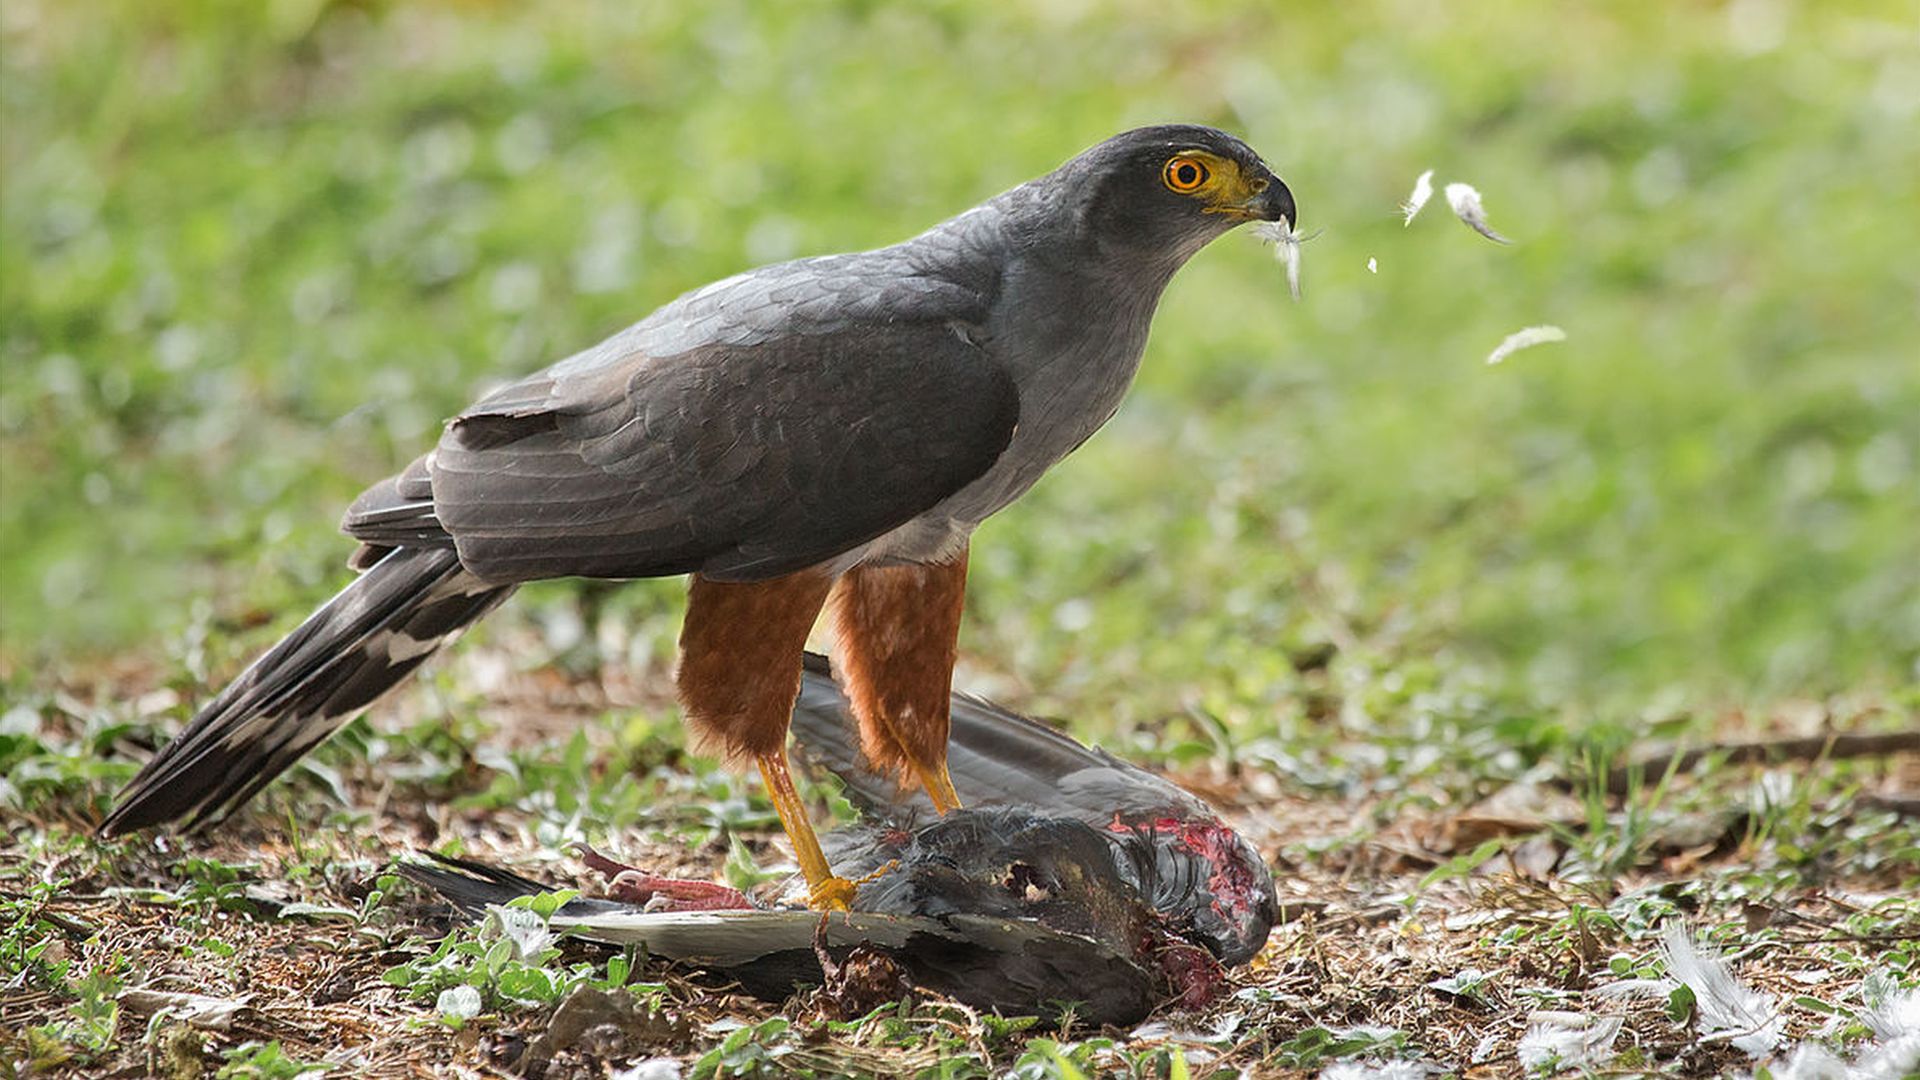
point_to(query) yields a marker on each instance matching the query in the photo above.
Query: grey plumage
(825, 412)
(995, 758)
(1008, 956)
(1192, 867)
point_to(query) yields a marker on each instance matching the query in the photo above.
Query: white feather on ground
(1896, 1020)
(527, 931)
(1525, 339)
(1567, 1040)
(1286, 247)
(1422, 191)
(1724, 1004)
(458, 1003)
(1465, 200)
(1894, 1056)
(1374, 1070)
(1727, 1009)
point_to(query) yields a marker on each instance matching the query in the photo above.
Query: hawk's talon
(833, 893)
(938, 786)
(886, 868)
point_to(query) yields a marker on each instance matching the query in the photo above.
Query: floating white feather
(1422, 191)
(1525, 339)
(1465, 200)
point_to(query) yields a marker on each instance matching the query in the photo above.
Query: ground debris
(200, 1010)
(1382, 896)
(600, 1026)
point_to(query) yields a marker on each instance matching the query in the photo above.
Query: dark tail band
(348, 653)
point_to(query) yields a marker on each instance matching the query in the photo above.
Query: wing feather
(781, 434)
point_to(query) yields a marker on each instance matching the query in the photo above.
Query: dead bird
(1206, 878)
(1072, 876)
(1000, 909)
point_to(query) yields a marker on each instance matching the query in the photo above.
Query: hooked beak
(1258, 195)
(1273, 204)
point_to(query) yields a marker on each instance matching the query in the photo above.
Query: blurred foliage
(250, 255)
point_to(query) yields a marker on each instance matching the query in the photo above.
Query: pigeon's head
(1236, 924)
(1207, 880)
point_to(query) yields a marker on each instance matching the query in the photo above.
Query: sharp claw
(939, 787)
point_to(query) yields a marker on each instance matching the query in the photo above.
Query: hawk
(829, 430)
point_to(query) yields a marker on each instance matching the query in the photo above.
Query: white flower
(458, 1003)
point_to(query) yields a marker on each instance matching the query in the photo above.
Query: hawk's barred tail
(348, 653)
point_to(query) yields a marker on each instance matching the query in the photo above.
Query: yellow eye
(1184, 175)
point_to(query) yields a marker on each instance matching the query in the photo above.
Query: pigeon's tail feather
(473, 887)
(995, 757)
(347, 654)
(470, 886)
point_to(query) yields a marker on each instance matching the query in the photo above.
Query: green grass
(250, 262)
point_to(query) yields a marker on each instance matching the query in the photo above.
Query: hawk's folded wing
(765, 445)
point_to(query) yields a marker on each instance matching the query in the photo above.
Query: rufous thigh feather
(898, 628)
(740, 653)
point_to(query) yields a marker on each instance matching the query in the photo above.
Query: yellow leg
(939, 786)
(825, 892)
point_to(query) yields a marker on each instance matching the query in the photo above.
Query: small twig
(1621, 778)
(1845, 938)
(1903, 805)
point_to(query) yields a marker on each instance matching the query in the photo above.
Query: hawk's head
(1173, 187)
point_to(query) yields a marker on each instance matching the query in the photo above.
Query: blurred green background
(252, 254)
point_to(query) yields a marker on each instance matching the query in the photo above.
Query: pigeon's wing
(996, 758)
(763, 425)
(989, 962)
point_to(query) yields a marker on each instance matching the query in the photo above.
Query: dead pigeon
(1071, 876)
(1207, 879)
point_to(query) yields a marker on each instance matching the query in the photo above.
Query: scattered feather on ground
(1374, 1070)
(1567, 1040)
(1422, 191)
(1465, 200)
(1525, 339)
(1727, 1010)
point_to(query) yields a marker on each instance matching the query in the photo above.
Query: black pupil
(1187, 175)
